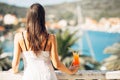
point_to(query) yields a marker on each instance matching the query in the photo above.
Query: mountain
(18, 11)
(89, 8)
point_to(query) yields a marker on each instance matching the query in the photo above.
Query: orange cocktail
(76, 59)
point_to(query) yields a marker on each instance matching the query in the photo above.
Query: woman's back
(37, 67)
(24, 43)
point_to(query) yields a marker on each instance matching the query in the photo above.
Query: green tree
(65, 40)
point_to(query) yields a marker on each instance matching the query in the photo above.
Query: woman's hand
(12, 71)
(74, 68)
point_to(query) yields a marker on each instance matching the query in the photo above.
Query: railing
(83, 74)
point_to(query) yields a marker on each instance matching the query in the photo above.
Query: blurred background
(90, 27)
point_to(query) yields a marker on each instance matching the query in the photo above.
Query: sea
(93, 43)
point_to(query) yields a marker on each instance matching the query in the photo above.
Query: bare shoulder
(52, 37)
(18, 36)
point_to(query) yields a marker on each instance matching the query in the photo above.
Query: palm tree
(113, 62)
(65, 40)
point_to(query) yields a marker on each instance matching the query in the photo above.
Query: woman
(38, 49)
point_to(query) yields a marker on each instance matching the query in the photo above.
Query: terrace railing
(81, 74)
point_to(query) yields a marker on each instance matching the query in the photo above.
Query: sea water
(95, 42)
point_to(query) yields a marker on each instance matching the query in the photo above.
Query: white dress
(38, 67)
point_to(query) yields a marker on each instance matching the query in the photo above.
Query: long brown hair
(36, 29)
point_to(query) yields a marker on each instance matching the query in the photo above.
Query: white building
(10, 19)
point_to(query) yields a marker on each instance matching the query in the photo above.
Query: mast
(79, 14)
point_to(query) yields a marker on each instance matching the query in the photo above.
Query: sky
(27, 3)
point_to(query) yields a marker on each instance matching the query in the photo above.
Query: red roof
(2, 28)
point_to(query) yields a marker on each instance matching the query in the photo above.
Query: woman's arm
(16, 56)
(55, 59)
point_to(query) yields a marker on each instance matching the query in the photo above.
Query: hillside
(18, 11)
(89, 8)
